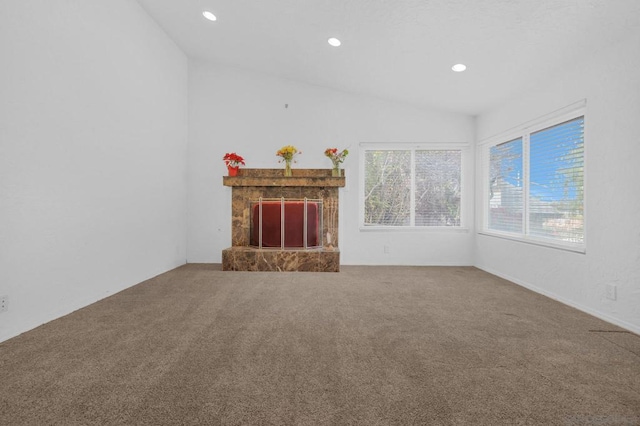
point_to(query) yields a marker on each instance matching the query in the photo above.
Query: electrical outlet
(387, 249)
(4, 303)
(611, 290)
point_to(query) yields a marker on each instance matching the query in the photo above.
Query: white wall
(244, 112)
(610, 82)
(93, 133)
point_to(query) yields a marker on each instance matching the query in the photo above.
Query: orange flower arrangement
(335, 156)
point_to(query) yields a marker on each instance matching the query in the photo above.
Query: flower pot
(233, 171)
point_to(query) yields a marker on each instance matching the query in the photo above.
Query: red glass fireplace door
(294, 224)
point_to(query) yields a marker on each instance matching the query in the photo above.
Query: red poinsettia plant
(231, 159)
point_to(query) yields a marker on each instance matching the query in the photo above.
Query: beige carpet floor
(366, 346)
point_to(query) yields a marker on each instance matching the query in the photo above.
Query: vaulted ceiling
(401, 50)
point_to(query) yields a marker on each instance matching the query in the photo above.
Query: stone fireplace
(315, 188)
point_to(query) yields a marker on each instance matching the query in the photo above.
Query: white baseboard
(601, 315)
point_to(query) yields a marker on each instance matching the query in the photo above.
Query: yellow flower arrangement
(288, 152)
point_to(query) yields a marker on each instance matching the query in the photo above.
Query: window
(535, 183)
(411, 187)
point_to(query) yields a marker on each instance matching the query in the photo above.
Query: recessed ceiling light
(334, 42)
(210, 16)
(459, 67)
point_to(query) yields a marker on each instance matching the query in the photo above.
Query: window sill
(575, 248)
(446, 229)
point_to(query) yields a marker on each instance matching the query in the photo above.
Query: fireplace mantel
(251, 184)
(275, 177)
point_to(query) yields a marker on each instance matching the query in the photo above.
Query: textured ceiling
(401, 50)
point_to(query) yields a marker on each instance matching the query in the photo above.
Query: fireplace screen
(286, 223)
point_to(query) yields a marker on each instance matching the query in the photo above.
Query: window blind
(556, 190)
(437, 187)
(387, 186)
(535, 187)
(412, 187)
(506, 206)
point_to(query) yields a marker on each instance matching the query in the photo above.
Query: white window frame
(524, 131)
(387, 146)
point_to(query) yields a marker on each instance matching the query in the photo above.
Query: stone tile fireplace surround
(250, 185)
